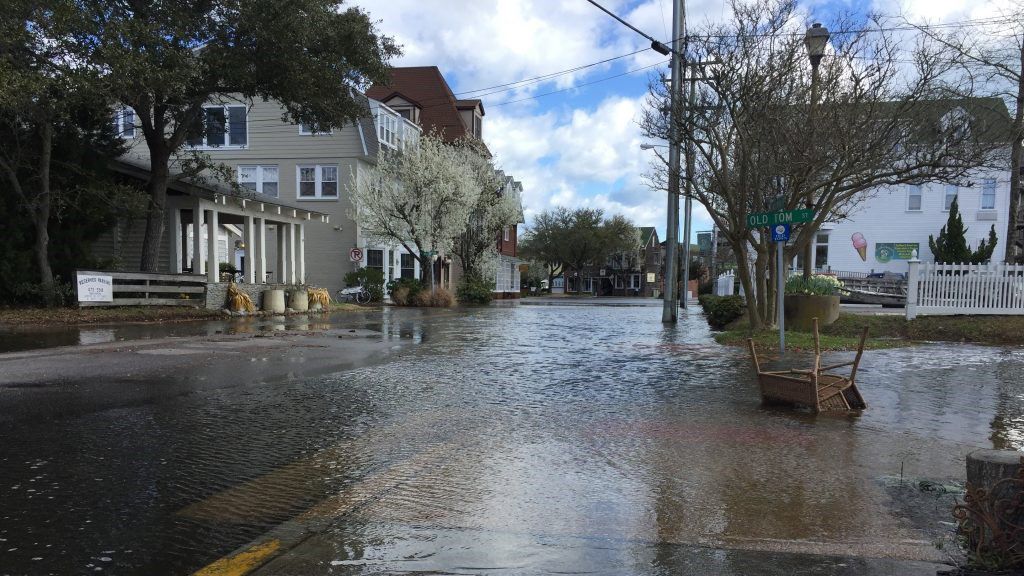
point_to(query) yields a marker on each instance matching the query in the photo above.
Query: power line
(543, 77)
(534, 97)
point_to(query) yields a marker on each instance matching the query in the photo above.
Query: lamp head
(815, 41)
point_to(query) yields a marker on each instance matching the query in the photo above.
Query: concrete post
(250, 244)
(260, 253)
(212, 267)
(913, 276)
(281, 274)
(198, 219)
(174, 237)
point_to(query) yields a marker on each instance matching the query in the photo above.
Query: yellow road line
(243, 562)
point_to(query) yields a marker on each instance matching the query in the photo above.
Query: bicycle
(357, 293)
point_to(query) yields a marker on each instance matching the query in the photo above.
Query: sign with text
(780, 233)
(650, 277)
(766, 219)
(889, 251)
(95, 288)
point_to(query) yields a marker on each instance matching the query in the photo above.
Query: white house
(886, 228)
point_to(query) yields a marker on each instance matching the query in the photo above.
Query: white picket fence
(945, 289)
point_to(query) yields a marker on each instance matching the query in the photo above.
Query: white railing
(945, 289)
(726, 284)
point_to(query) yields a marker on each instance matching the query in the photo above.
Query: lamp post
(815, 40)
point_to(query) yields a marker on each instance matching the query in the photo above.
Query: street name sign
(765, 219)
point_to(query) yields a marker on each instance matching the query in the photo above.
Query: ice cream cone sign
(861, 245)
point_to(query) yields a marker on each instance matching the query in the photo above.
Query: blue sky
(581, 146)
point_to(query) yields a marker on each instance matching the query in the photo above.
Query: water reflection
(521, 439)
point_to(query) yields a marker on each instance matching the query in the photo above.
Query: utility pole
(670, 310)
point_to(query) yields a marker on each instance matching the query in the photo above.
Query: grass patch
(889, 331)
(347, 307)
(104, 315)
(768, 340)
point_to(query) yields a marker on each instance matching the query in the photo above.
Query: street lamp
(652, 146)
(815, 40)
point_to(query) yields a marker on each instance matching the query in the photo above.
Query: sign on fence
(95, 288)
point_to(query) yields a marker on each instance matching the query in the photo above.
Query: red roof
(425, 86)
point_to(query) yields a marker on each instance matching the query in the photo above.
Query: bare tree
(994, 60)
(758, 141)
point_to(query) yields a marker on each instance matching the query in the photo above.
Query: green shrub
(721, 310)
(371, 278)
(706, 287)
(227, 268)
(403, 291)
(818, 285)
(475, 290)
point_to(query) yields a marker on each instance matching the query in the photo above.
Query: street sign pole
(780, 235)
(781, 273)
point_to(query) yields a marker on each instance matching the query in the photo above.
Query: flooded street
(506, 440)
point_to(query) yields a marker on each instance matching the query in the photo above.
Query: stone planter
(802, 309)
(273, 301)
(299, 300)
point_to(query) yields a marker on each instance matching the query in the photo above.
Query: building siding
(884, 218)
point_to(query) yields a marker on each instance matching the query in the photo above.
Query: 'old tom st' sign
(766, 219)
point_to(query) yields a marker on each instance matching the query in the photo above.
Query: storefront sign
(95, 288)
(888, 251)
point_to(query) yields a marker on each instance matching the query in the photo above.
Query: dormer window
(478, 126)
(219, 127)
(387, 130)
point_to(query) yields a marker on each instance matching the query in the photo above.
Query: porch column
(250, 242)
(213, 264)
(301, 263)
(290, 229)
(198, 217)
(174, 237)
(280, 275)
(260, 252)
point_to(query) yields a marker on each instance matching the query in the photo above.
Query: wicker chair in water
(816, 388)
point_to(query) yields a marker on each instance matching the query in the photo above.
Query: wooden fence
(145, 289)
(945, 289)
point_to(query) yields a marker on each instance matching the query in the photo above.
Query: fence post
(912, 280)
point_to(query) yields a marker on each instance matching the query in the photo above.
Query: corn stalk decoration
(990, 523)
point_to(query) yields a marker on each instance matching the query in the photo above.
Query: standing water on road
(495, 440)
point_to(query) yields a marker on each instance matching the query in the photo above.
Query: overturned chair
(816, 388)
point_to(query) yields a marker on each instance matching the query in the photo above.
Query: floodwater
(508, 440)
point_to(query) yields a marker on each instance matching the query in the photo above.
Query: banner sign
(888, 251)
(95, 288)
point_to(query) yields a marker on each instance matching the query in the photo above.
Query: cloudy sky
(573, 139)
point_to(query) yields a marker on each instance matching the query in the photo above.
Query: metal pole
(670, 306)
(780, 291)
(809, 249)
(688, 203)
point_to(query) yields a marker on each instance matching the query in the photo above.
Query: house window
(260, 179)
(506, 234)
(477, 126)
(375, 260)
(618, 281)
(914, 198)
(821, 252)
(220, 126)
(634, 281)
(317, 182)
(307, 130)
(124, 122)
(951, 192)
(988, 194)
(408, 266)
(387, 129)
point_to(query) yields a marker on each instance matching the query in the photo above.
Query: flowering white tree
(497, 206)
(420, 198)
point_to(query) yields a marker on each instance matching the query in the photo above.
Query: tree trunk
(748, 287)
(1013, 235)
(760, 273)
(156, 187)
(41, 214)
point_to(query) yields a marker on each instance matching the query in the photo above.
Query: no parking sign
(355, 254)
